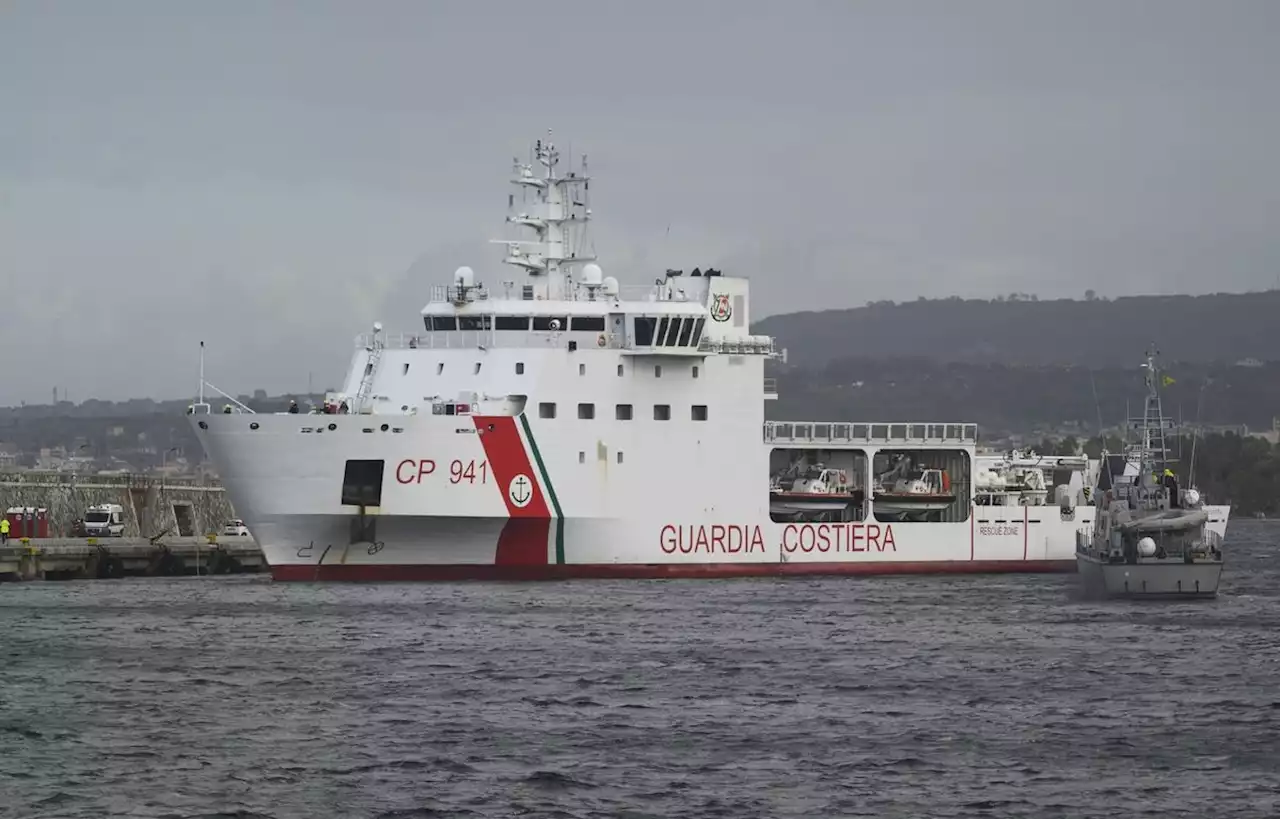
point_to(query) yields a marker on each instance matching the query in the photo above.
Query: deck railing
(832, 432)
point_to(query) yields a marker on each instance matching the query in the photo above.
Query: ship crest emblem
(721, 309)
(520, 491)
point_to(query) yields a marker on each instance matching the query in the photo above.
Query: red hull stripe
(524, 540)
(424, 572)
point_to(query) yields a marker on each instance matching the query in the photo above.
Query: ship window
(474, 323)
(657, 370)
(547, 410)
(362, 483)
(686, 328)
(519, 368)
(644, 330)
(582, 457)
(622, 412)
(697, 331)
(439, 367)
(592, 324)
(543, 323)
(673, 329)
(477, 370)
(582, 369)
(444, 323)
(619, 370)
(699, 412)
(511, 323)
(662, 412)
(586, 411)
(739, 307)
(619, 456)
(695, 370)
(406, 370)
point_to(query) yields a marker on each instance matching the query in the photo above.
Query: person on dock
(293, 407)
(4, 530)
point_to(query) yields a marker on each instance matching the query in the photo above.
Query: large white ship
(559, 425)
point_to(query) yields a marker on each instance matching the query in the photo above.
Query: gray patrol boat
(1150, 539)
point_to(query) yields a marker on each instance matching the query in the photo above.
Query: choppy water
(943, 697)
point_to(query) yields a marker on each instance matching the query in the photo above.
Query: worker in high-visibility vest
(4, 530)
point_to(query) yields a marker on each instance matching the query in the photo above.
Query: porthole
(385, 427)
(332, 427)
(254, 425)
(203, 425)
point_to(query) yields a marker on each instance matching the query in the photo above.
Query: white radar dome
(464, 277)
(1146, 547)
(1192, 497)
(592, 275)
(610, 286)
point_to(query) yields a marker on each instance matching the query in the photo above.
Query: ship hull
(1156, 580)
(479, 498)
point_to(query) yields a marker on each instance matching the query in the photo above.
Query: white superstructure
(557, 424)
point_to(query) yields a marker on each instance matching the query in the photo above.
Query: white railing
(825, 432)
(771, 386)
(471, 339)
(450, 294)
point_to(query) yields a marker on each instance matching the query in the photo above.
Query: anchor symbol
(520, 491)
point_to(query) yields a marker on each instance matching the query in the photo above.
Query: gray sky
(273, 176)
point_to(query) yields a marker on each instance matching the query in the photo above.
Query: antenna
(200, 401)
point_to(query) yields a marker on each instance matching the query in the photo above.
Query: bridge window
(543, 323)
(511, 323)
(695, 370)
(443, 323)
(645, 326)
(547, 409)
(672, 331)
(697, 332)
(474, 323)
(586, 411)
(686, 330)
(699, 412)
(619, 370)
(591, 324)
(662, 412)
(622, 412)
(519, 368)
(662, 330)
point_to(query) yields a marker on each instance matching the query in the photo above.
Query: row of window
(624, 412)
(668, 332)
(589, 324)
(582, 369)
(650, 331)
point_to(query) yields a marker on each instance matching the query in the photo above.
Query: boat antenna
(200, 392)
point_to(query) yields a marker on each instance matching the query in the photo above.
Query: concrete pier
(66, 558)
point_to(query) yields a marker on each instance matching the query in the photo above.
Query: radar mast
(557, 210)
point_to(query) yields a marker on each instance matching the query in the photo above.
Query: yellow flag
(1166, 381)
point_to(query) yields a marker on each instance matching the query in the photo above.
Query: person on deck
(293, 407)
(4, 530)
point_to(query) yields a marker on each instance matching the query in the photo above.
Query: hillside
(1020, 330)
(1018, 399)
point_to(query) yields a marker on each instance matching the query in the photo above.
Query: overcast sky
(273, 176)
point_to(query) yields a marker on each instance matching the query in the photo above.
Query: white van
(104, 520)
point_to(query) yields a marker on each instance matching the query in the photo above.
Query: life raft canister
(946, 481)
